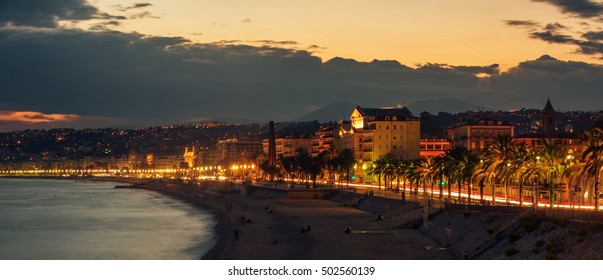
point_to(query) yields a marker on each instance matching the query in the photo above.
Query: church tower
(548, 119)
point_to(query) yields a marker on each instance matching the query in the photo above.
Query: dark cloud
(138, 6)
(554, 26)
(105, 26)
(44, 13)
(276, 43)
(143, 15)
(101, 15)
(552, 37)
(526, 23)
(581, 8)
(593, 35)
(593, 45)
(145, 80)
(570, 84)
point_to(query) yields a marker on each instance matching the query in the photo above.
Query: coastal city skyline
(140, 64)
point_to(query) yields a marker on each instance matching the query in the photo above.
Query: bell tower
(548, 119)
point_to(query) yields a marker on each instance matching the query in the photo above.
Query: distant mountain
(232, 120)
(332, 112)
(448, 105)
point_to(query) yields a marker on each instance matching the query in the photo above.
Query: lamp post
(536, 185)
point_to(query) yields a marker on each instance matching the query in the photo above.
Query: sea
(44, 219)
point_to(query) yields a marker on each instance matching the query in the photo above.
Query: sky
(100, 63)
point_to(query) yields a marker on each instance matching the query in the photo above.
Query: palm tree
(520, 163)
(315, 168)
(427, 170)
(304, 163)
(498, 156)
(330, 160)
(593, 158)
(347, 159)
(457, 163)
(439, 167)
(552, 159)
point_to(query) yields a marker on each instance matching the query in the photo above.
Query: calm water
(55, 219)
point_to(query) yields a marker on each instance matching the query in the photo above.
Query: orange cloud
(35, 117)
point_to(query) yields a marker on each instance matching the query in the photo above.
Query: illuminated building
(234, 151)
(190, 156)
(381, 131)
(287, 146)
(477, 130)
(329, 137)
(433, 147)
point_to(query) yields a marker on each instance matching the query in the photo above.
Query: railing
(483, 241)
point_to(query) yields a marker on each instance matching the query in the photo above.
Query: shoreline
(267, 226)
(223, 223)
(273, 228)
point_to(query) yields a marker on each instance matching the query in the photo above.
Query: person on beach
(348, 229)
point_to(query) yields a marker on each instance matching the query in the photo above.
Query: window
(387, 118)
(394, 137)
(386, 137)
(379, 136)
(394, 147)
(387, 127)
(387, 147)
(394, 125)
(395, 119)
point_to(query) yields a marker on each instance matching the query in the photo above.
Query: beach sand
(274, 229)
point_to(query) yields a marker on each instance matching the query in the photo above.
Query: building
(549, 119)
(330, 137)
(433, 147)
(234, 151)
(477, 130)
(568, 140)
(190, 156)
(377, 132)
(287, 146)
(389, 130)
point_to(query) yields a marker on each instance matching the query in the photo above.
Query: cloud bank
(108, 77)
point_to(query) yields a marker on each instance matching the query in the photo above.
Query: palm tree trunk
(596, 192)
(449, 189)
(458, 184)
(441, 188)
(493, 193)
(520, 194)
(469, 191)
(507, 191)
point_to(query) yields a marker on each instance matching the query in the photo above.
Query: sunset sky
(76, 63)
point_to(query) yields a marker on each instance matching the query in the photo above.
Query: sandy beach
(271, 228)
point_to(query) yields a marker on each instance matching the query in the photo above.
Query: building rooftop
(376, 112)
